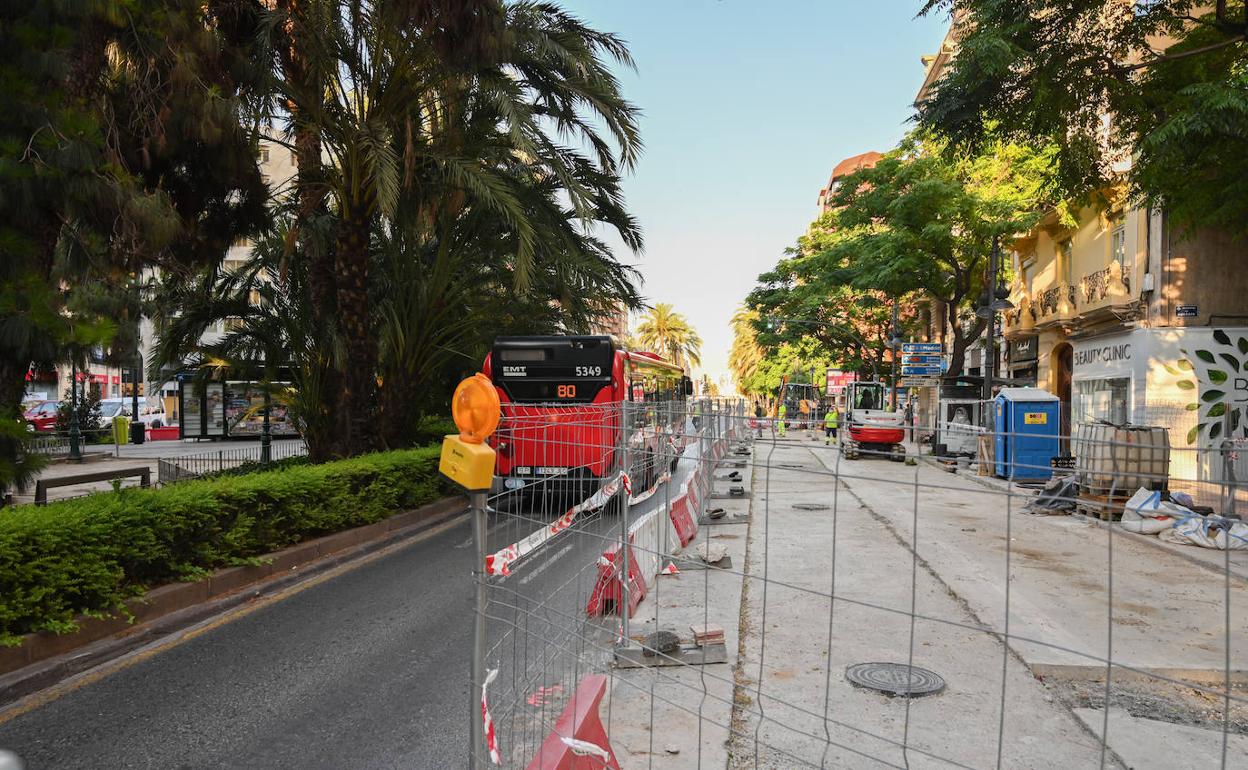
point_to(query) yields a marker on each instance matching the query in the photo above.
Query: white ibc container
(1116, 460)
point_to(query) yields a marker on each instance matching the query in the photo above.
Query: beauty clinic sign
(1104, 356)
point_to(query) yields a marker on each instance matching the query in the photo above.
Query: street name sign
(920, 382)
(922, 348)
(921, 371)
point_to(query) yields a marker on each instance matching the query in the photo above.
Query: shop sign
(1024, 349)
(1093, 353)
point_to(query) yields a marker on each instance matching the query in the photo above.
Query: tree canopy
(1166, 81)
(918, 225)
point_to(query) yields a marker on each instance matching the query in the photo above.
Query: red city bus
(562, 402)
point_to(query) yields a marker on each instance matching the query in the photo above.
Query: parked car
(41, 418)
(150, 416)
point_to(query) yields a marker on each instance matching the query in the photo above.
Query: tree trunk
(961, 340)
(357, 399)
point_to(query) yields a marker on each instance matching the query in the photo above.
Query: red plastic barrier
(581, 721)
(162, 434)
(608, 588)
(682, 519)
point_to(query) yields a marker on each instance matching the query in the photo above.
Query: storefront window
(1108, 400)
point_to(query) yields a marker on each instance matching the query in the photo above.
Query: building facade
(842, 170)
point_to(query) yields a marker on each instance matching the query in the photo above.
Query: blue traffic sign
(922, 347)
(908, 359)
(921, 371)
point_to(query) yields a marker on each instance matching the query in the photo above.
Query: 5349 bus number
(588, 371)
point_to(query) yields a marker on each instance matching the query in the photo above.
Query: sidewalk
(106, 457)
(690, 707)
(800, 710)
(1206, 557)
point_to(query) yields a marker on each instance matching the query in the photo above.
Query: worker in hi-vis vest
(829, 425)
(783, 413)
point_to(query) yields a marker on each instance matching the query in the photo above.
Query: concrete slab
(1164, 611)
(1150, 744)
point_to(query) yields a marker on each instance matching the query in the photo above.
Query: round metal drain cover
(811, 506)
(895, 679)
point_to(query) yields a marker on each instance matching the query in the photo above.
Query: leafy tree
(121, 150)
(920, 223)
(668, 333)
(89, 418)
(791, 362)
(1167, 80)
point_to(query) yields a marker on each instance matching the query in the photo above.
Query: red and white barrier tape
(491, 739)
(585, 748)
(499, 562)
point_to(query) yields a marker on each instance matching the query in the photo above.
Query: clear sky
(748, 104)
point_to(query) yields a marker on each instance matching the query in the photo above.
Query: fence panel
(767, 600)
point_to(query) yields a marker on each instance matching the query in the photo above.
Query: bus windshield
(571, 369)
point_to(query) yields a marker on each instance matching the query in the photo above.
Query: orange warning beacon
(466, 459)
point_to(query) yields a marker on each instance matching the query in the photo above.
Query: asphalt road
(368, 669)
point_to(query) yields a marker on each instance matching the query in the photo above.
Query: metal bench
(43, 485)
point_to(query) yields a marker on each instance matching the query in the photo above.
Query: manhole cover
(811, 506)
(895, 679)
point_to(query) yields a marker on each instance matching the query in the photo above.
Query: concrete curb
(44, 659)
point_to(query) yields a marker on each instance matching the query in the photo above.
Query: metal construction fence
(177, 468)
(679, 585)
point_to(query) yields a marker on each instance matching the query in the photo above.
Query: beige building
(1129, 319)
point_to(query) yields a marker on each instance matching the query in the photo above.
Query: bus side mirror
(686, 385)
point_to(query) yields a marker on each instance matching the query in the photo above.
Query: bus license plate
(550, 471)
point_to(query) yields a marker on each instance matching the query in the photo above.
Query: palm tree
(667, 332)
(436, 117)
(746, 354)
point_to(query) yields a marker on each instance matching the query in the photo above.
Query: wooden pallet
(1103, 507)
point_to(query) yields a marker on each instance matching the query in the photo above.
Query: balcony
(1104, 289)
(1055, 305)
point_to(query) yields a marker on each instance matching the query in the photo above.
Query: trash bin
(121, 429)
(1027, 433)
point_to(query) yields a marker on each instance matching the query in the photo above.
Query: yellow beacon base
(467, 459)
(469, 465)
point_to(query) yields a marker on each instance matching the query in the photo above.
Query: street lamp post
(894, 343)
(75, 434)
(136, 426)
(994, 301)
(266, 434)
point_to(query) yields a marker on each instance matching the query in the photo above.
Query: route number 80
(566, 391)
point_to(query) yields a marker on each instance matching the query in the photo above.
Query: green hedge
(89, 554)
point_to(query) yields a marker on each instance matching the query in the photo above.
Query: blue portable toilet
(1028, 433)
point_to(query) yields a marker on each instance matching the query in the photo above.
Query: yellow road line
(177, 638)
